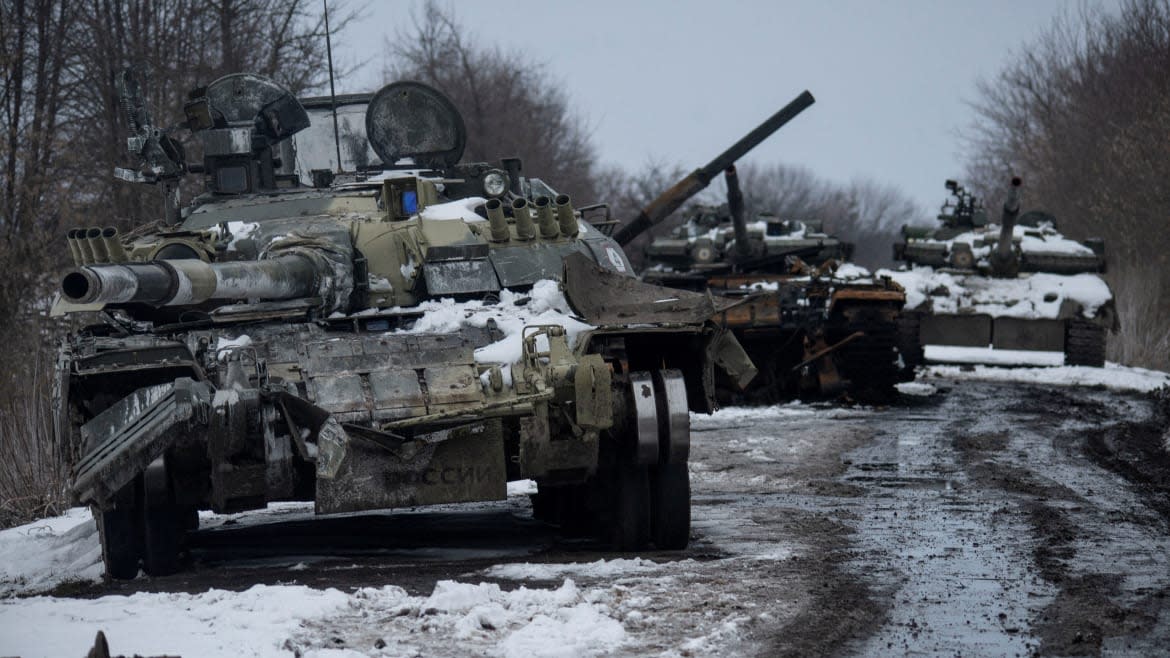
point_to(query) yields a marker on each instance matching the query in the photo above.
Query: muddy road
(972, 518)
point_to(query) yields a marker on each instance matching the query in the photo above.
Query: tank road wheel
(164, 522)
(1084, 343)
(623, 483)
(120, 533)
(670, 481)
(630, 526)
(645, 483)
(670, 505)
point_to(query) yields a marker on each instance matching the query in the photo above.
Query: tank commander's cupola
(243, 121)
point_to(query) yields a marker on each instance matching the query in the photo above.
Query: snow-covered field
(284, 620)
(290, 620)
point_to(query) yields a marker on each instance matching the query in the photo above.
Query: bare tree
(61, 133)
(872, 217)
(789, 191)
(627, 193)
(36, 198)
(511, 105)
(1084, 116)
(175, 46)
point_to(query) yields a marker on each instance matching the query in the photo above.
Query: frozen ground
(973, 517)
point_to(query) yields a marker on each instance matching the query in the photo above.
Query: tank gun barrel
(192, 281)
(670, 200)
(1004, 261)
(735, 209)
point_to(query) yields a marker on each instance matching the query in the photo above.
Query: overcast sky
(678, 81)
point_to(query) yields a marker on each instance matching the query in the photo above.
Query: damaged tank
(409, 332)
(812, 322)
(1018, 285)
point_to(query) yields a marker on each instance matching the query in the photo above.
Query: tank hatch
(416, 121)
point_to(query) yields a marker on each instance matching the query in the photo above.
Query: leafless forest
(63, 133)
(1083, 115)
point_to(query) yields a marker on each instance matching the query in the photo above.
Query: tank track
(870, 362)
(1084, 343)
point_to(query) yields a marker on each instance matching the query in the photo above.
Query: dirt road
(981, 519)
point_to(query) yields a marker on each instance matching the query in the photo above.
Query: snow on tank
(1016, 284)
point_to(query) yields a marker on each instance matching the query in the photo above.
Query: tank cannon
(673, 198)
(743, 244)
(1003, 260)
(192, 282)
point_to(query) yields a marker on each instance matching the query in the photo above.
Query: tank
(813, 323)
(405, 331)
(706, 244)
(1016, 285)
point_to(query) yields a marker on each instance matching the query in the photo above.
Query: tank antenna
(332, 91)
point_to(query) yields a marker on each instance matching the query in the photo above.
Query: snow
(240, 231)
(734, 415)
(41, 555)
(1031, 295)
(408, 268)
(604, 569)
(1030, 239)
(762, 286)
(460, 209)
(545, 304)
(850, 271)
(255, 622)
(1112, 376)
(917, 389)
(284, 620)
(38, 556)
(521, 488)
(726, 232)
(379, 284)
(224, 344)
(991, 356)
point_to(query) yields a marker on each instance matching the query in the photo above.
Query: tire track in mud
(958, 582)
(1092, 610)
(841, 608)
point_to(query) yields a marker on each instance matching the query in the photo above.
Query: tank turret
(682, 191)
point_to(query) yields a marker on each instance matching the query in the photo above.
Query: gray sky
(679, 81)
